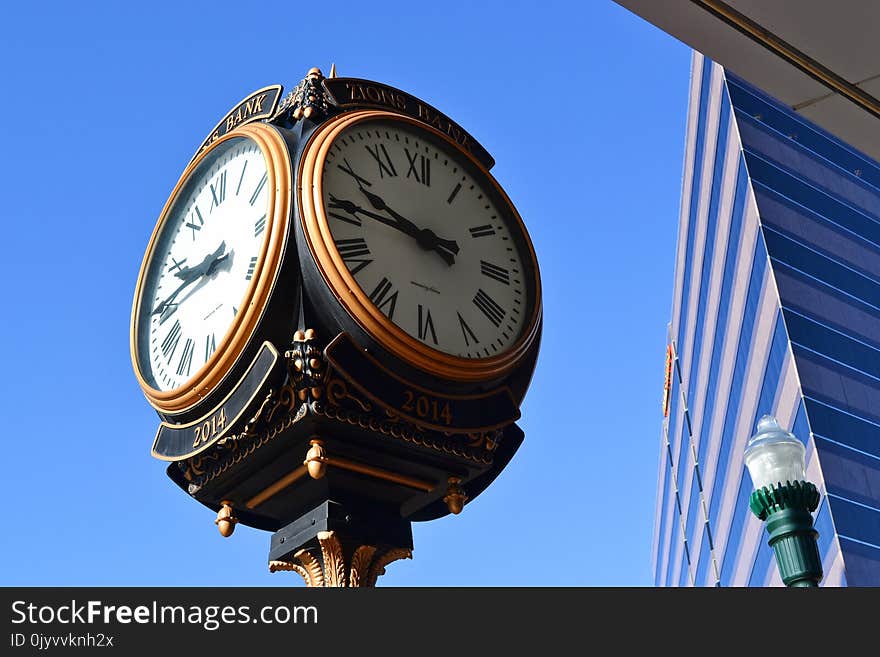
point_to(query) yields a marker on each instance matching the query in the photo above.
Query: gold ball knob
(226, 521)
(299, 336)
(314, 72)
(309, 334)
(455, 496)
(315, 459)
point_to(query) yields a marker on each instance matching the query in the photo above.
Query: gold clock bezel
(356, 302)
(230, 348)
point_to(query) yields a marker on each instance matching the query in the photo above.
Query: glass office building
(776, 309)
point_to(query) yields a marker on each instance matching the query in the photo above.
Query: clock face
(204, 256)
(428, 238)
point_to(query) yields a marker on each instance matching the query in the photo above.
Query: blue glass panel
(684, 575)
(772, 371)
(675, 402)
(683, 449)
(736, 222)
(856, 521)
(837, 385)
(736, 387)
(769, 385)
(801, 427)
(862, 563)
(817, 337)
(736, 529)
(817, 171)
(700, 320)
(817, 232)
(825, 528)
(693, 513)
(704, 561)
(815, 299)
(804, 259)
(757, 104)
(764, 559)
(845, 428)
(695, 197)
(786, 184)
(850, 474)
(664, 517)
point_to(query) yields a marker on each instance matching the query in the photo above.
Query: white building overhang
(820, 58)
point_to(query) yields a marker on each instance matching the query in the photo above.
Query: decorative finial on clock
(332, 71)
(308, 99)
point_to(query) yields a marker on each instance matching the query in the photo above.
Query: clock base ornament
(316, 433)
(335, 545)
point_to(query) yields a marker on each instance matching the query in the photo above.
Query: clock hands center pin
(425, 237)
(207, 267)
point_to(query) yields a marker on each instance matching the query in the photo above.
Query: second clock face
(427, 238)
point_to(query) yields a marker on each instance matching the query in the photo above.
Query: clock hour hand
(205, 266)
(426, 237)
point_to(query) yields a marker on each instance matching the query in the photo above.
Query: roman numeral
(466, 331)
(454, 193)
(166, 313)
(259, 189)
(186, 358)
(422, 174)
(251, 266)
(218, 193)
(210, 346)
(260, 226)
(382, 296)
(482, 231)
(489, 307)
(352, 252)
(169, 344)
(177, 265)
(194, 216)
(241, 178)
(426, 324)
(500, 274)
(347, 169)
(386, 166)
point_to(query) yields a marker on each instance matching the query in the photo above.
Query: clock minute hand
(426, 237)
(204, 266)
(405, 227)
(354, 209)
(191, 275)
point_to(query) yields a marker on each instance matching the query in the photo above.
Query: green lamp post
(784, 500)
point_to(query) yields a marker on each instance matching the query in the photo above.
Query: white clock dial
(427, 238)
(202, 264)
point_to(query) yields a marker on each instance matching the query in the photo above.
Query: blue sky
(583, 106)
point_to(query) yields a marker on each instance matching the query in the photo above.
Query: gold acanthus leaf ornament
(366, 565)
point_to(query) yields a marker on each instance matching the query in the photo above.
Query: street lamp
(785, 500)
